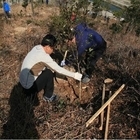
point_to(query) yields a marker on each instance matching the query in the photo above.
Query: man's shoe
(85, 79)
(51, 99)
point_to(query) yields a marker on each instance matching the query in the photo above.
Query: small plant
(137, 31)
(116, 28)
(61, 104)
(29, 21)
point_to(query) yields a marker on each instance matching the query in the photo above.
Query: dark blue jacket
(6, 7)
(86, 38)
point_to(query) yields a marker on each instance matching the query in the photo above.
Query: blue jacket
(6, 7)
(86, 38)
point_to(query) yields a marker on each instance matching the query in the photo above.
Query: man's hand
(78, 76)
(63, 63)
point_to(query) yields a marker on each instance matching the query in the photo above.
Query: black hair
(49, 39)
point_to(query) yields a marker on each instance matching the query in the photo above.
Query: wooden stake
(107, 119)
(104, 106)
(102, 113)
(80, 85)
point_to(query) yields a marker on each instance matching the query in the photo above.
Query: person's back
(86, 38)
(6, 8)
(37, 70)
(90, 47)
(97, 37)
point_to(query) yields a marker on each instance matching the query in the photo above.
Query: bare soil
(66, 118)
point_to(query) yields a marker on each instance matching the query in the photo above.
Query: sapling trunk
(80, 84)
(78, 67)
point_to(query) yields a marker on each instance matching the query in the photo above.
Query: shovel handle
(65, 55)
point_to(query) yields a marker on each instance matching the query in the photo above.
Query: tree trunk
(32, 7)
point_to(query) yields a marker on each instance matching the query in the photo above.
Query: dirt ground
(66, 118)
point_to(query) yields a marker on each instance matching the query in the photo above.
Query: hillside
(66, 118)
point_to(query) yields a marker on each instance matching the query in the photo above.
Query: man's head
(49, 39)
(48, 42)
(76, 30)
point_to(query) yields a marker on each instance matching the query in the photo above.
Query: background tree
(25, 4)
(61, 25)
(32, 7)
(97, 5)
(0, 3)
(132, 17)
